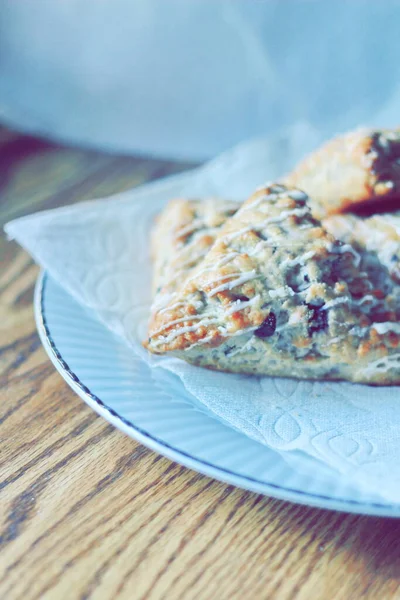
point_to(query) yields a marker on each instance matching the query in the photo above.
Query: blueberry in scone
(278, 295)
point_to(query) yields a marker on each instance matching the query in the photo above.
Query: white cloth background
(190, 78)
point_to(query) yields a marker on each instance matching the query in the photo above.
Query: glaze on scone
(351, 170)
(378, 233)
(181, 237)
(278, 295)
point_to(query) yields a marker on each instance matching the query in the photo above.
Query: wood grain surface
(87, 512)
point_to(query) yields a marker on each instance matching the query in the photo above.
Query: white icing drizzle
(345, 248)
(347, 300)
(359, 331)
(171, 307)
(226, 259)
(283, 327)
(241, 304)
(193, 226)
(388, 184)
(335, 302)
(161, 301)
(186, 250)
(381, 328)
(176, 321)
(232, 283)
(297, 195)
(300, 260)
(197, 304)
(203, 321)
(257, 248)
(243, 348)
(365, 298)
(235, 234)
(383, 364)
(174, 334)
(199, 342)
(275, 191)
(225, 333)
(299, 212)
(166, 339)
(259, 200)
(306, 226)
(273, 242)
(335, 340)
(281, 292)
(387, 326)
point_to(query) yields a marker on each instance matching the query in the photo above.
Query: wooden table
(87, 512)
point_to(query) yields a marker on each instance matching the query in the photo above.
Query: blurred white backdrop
(190, 78)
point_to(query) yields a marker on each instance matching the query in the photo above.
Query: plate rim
(175, 454)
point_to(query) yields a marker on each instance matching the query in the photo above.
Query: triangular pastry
(277, 295)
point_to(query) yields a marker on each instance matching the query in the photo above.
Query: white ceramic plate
(155, 409)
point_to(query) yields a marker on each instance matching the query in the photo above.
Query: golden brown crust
(351, 170)
(181, 237)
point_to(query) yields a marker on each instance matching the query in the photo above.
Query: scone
(351, 171)
(278, 295)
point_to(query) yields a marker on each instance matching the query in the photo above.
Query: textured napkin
(99, 252)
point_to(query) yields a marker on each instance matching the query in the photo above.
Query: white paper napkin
(98, 251)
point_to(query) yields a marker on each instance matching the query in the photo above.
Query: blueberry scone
(352, 170)
(278, 295)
